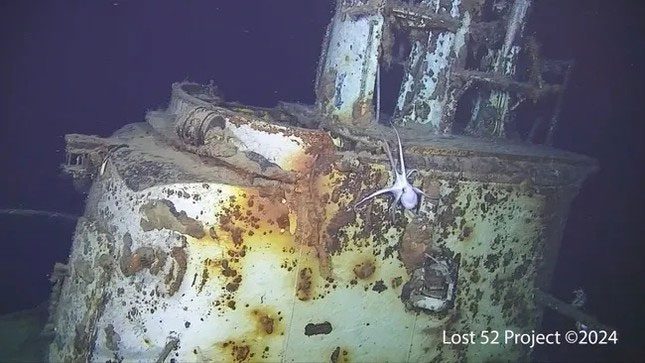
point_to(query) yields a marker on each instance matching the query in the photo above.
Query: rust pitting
(204, 276)
(142, 258)
(126, 255)
(339, 355)
(334, 233)
(304, 201)
(304, 285)
(266, 323)
(239, 351)
(180, 261)
(343, 232)
(246, 222)
(365, 269)
(414, 243)
(283, 221)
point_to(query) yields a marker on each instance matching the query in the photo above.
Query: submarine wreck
(216, 231)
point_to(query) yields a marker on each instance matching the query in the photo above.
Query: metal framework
(454, 47)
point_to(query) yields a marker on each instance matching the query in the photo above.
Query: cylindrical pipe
(347, 75)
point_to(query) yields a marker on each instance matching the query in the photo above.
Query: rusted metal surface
(423, 16)
(249, 139)
(346, 76)
(208, 258)
(434, 52)
(221, 232)
(491, 111)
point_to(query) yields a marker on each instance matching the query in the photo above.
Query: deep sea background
(91, 67)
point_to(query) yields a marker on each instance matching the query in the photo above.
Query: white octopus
(403, 191)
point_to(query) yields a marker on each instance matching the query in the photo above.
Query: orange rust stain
(255, 344)
(135, 264)
(300, 162)
(227, 271)
(258, 221)
(142, 258)
(250, 212)
(249, 222)
(267, 322)
(365, 269)
(311, 211)
(316, 143)
(306, 200)
(339, 355)
(305, 282)
(238, 351)
(414, 243)
(254, 219)
(234, 285)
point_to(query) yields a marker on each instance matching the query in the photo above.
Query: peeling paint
(347, 76)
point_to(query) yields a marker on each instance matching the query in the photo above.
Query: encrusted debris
(161, 214)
